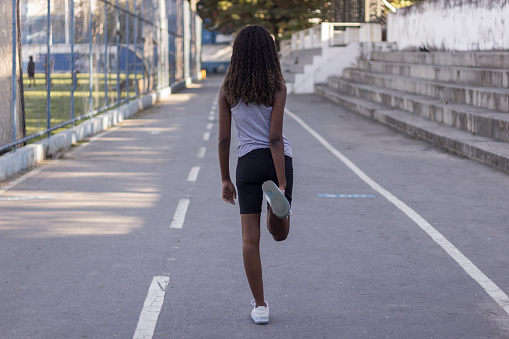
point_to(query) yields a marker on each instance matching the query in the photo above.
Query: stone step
(467, 118)
(292, 59)
(293, 67)
(294, 63)
(288, 76)
(487, 77)
(484, 97)
(483, 149)
(499, 60)
(305, 52)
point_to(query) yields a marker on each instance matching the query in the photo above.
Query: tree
(280, 17)
(404, 3)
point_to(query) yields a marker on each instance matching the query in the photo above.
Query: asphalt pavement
(126, 235)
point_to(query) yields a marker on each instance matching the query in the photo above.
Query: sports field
(60, 96)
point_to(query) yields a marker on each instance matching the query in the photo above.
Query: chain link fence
(76, 58)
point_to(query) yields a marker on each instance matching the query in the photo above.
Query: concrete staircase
(302, 69)
(293, 64)
(457, 101)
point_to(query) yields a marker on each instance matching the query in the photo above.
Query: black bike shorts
(253, 169)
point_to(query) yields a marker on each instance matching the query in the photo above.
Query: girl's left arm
(276, 136)
(223, 147)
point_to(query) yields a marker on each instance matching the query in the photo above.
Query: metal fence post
(106, 56)
(90, 59)
(117, 31)
(159, 53)
(14, 76)
(74, 76)
(48, 70)
(127, 48)
(144, 36)
(137, 89)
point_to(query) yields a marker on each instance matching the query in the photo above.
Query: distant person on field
(31, 71)
(254, 94)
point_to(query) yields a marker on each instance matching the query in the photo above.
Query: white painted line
(201, 152)
(206, 136)
(209, 125)
(193, 174)
(37, 197)
(212, 112)
(211, 117)
(489, 286)
(151, 308)
(180, 214)
(19, 180)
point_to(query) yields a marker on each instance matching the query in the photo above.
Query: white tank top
(253, 127)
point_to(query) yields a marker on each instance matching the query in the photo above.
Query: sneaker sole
(278, 201)
(260, 321)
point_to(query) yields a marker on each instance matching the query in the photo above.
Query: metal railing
(72, 59)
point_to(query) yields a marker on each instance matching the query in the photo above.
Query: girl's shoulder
(222, 95)
(283, 88)
(281, 92)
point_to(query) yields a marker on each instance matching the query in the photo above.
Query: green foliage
(404, 3)
(280, 17)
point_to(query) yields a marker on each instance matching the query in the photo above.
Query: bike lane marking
(193, 174)
(151, 308)
(201, 152)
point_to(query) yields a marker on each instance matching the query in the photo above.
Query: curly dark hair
(254, 74)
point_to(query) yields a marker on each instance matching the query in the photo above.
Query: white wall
(332, 61)
(460, 25)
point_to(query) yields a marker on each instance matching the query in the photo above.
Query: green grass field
(60, 97)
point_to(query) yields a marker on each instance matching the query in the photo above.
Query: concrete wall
(451, 25)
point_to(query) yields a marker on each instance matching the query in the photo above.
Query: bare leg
(279, 228)
(251, 254)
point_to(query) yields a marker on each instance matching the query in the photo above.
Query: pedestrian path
(127, 235)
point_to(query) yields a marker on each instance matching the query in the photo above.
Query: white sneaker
(276, 199)
(260, 314)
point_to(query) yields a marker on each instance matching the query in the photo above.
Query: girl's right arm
(223, 147)
(276, 143)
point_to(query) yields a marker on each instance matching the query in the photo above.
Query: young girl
(254, 93)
